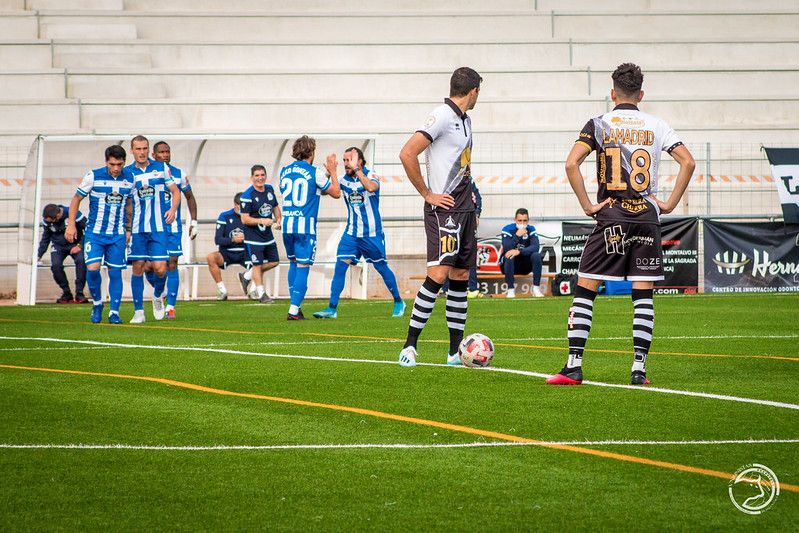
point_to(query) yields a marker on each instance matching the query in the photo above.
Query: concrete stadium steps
(510, 117)
(22, 84)
(83, 5)
(743, 26)
(159, 83)
(333, 26)
(532, 55)
(487, 26)
(37, 116)
(18, 25)
(358, 115)
(665, 6)
(340, 6)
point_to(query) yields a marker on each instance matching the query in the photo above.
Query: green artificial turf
(736, 345)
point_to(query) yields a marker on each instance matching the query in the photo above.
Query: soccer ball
(476, 350)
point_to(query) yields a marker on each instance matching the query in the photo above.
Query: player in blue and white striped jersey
(109, 190)
(163, 153)
(363, 236)
(155, 202)
(302, 184)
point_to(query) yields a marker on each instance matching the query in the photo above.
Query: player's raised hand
(440, 200)
(596, 208)
(331, 164)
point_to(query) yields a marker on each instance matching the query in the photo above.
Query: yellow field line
(374, 338)
(401, 418)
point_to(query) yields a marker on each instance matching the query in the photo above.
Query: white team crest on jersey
(430, 121)
(449, 223)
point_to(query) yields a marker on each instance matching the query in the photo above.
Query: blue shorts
(149, 247)
(260, 255)
(371, 248)
(174, 244)
(300, 247)
(234, 258)
(108, 249)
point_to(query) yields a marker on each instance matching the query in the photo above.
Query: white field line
(225, 447)
(674, 337)
(638, 388)
(279, 343)
(40, 349)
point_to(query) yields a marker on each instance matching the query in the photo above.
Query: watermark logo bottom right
(754, 489)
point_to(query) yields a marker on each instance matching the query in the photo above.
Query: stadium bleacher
(104, 66)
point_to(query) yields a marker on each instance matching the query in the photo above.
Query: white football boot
(158, 308)
(408, 356)
(138, 317)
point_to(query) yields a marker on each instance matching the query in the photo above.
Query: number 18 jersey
(628, 145)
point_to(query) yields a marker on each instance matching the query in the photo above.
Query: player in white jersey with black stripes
(152, 213)
(449, 209)
(626, 241)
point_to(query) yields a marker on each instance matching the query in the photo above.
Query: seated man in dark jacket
(520, 253)
(54, 222)
(229, 238)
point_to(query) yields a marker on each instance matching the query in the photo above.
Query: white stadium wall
(722, 74)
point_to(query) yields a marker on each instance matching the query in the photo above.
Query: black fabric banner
(785, 170)
(680, 239)
(751, 257)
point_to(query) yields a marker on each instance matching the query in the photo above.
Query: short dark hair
(303, 148)
(257, 167)
(463, 80)
(237, 198)
(50, 211)
(521, 211)
(139, 138)
(628, 79)
(359, 151)
(159, 143)
(115, 151)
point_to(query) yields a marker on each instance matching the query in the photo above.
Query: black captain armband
(673, 146)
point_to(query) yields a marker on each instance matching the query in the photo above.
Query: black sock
(456, 312)
(422, 308)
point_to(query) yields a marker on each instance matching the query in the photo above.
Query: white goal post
(218, 166)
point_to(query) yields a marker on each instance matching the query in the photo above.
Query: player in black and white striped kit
(626, 240)
(449, 209)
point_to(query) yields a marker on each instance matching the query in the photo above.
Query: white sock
(113, 313)
(294, 309)
(221, 286)
(259, 290)
(248, 274)
(96, 302)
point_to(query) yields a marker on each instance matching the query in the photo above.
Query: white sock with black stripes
(422, 309)
(643, 324)
(456, 312)
(581, 315)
